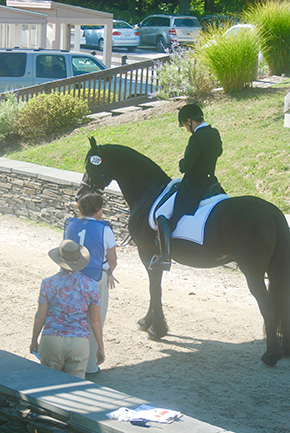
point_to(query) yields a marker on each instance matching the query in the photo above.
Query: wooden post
(287, 111)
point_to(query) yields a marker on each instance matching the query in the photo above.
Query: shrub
(272, 19)
(233, 58)
(182, 75)
(9, 109)
(105, 97)
(45, 115)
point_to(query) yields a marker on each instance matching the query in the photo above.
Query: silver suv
(162, 30)
(27, 67)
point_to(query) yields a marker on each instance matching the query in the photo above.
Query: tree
(184, 7)
(209, 6)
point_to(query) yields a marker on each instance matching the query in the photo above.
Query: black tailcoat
(198, 165)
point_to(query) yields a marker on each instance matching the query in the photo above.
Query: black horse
(246, 230)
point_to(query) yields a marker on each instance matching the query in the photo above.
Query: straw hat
(70, 255)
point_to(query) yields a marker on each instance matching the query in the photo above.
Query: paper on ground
(144, 412)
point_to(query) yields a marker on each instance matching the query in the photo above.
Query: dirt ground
(208, 365)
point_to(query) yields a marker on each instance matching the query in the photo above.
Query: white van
(28, 67)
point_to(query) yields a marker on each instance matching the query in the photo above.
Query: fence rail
(107, 89)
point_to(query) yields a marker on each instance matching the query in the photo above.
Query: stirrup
(158, 263)
(153, 262)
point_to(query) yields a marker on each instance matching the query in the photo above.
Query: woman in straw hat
(67, 302)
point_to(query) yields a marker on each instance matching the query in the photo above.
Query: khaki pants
(67, 354)
(103, 285)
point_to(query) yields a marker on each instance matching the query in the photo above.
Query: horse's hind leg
(285, 327)
(258, 288)
(280, 295)
(159, 327)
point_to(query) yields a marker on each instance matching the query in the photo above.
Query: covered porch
(60, 20)
(20, 28)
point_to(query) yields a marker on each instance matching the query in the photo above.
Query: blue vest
(89, 233)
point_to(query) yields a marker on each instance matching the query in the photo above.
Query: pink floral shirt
(68, 295)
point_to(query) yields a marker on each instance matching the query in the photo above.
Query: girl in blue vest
(97, 236)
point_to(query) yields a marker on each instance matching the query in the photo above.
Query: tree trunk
(208, 6)
(184, 7)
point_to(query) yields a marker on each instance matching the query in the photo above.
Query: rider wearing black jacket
(199, 180)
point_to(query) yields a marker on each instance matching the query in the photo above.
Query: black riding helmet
(190, 111)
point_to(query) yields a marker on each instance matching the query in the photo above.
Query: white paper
(144, 412)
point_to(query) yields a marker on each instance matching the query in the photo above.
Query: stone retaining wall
(43, 194)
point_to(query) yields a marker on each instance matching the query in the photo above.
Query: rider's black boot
(163, 261)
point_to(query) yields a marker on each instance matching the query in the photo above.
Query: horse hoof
(142, 325)
(262, 364)
(152, 334)
(271, 358)
(286, 352)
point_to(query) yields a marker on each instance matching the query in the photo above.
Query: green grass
(256, 157)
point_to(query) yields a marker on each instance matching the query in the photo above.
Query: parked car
(237, 29)
(162, 30)
(123, 36)
(243, 28)
(82, 37)
(232, 31)
(27, 67)
(218, 21)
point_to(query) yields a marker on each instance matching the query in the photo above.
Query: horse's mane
(130, 156)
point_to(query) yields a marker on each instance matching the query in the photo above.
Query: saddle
(189, 227)
(173, 186)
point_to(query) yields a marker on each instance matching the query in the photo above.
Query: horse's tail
(279, 280)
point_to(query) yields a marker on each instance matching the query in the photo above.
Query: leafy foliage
(182, 75)
(134, 11)
(272, 19)
(9, 109)
(45, 115)
(92, 99)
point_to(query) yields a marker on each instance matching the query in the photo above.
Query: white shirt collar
(201, 126)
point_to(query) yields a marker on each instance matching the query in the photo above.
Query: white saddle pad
(189, 227)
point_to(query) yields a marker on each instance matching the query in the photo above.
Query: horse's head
(98, 173)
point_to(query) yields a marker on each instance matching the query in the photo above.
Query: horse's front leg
(154, 322)
(258, 288)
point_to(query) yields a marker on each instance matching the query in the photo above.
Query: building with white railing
(48, 24)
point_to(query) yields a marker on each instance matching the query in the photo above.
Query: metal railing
(103, 90)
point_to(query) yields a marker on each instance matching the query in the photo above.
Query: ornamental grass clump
(272, 19)
(232, 57)
(47, 115)
(182, 75)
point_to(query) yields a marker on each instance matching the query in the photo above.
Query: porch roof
(11, 15)
(59, 13)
